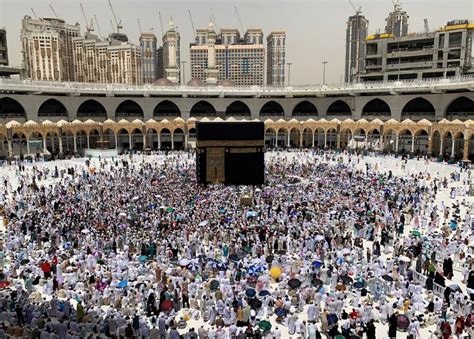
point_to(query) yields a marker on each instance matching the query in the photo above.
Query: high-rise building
(110, 61)
(397, 21)
(226, 56)
(171, 54)
(159, 63)
(3, 48)
(148, 46)
(444, 53)
(356, 34)
(276, 58)
(48, 49)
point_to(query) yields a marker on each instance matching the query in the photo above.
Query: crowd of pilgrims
(134, 248)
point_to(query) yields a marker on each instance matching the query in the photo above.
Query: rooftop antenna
(397, 4)
(52, 10)
(427, 26)
(98, 28)
(90, 27)
(34, 13)
(357, 10)
(161, 24)
(192, 23)
(117, 23)
(139, 25)
(238, 17)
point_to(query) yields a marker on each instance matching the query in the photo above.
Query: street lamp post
(182, 71)
(289, 71)
(324, 71)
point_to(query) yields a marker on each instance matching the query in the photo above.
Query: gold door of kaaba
(215, 164)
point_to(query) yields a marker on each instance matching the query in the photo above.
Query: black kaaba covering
(230, 152)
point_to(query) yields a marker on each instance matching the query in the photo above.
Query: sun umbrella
(387, 278)
(169, 209)
(269, 259)
(222, 266)
(317, 264)
(252, 270)
(142, 258)
(4, 284)
(214, 285)
(193, 266)
(294, 283)
(263, 293)
(166, 305)
(24, 262)
(359, 284)
(122, 284)
(250, 293)
(339, 261)
(265, 325)
(403, 322)
(184, 262)
(203, 223)
(255, 304)
(261, 268)
(346, 279)
(404, 258)
(317, 282)
(234, 257)
(275, 272)
(319, 238)
(415, 233)
(280, 312)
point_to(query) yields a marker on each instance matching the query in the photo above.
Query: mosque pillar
(453, 146)
(301, 139)
(441, 146)
(413, 143)
(381, 143)
(186, 140)
(396, 143)
(276, 138)
(465, 154)
(288, 139)
(75, 142)
(116, 140)
(144, 141)
(172, 140)
(45, 149)
(312, 141)
(325, 139)
(129, 140)
(88, 141)
(10, 147)
(430, 145)
(60, 140)
(338, 142)
(159, 140)
(28, 145)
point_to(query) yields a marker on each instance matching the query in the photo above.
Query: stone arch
(201, 109)
(109, 135)
(165, 137)
(166, 108)
(405, 137)
(91, 109)
(178, 139)
(123, 139)
(331, 137)
(308, 137)
(237, 108)
(305, 108)
(270, 136)
(10, 108)
(417, 108)
(376, 107)
(421, 141)
(128, 108)
(339, 107)
(461, 107)
(52, 108)
(272, 108)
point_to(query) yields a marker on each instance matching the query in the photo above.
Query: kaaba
(231, 153)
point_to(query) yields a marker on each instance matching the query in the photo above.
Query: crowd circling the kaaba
(330, 246)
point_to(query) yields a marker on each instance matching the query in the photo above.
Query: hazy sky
(315, 28)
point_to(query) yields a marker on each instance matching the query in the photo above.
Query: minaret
(172, 69)
(212, 71)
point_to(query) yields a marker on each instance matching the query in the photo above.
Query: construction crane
(34, 13)
(161, 24)
(357, 10)
(213, 19)
(52, 10)
(192, 23)
(98, 28)
(238, 17)
(89, 27)
(117, 23)
(139, 25)
(427, 26)
(397, 4)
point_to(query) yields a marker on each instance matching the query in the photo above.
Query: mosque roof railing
(391, 87)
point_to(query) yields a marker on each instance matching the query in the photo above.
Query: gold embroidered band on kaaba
(230, 143)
